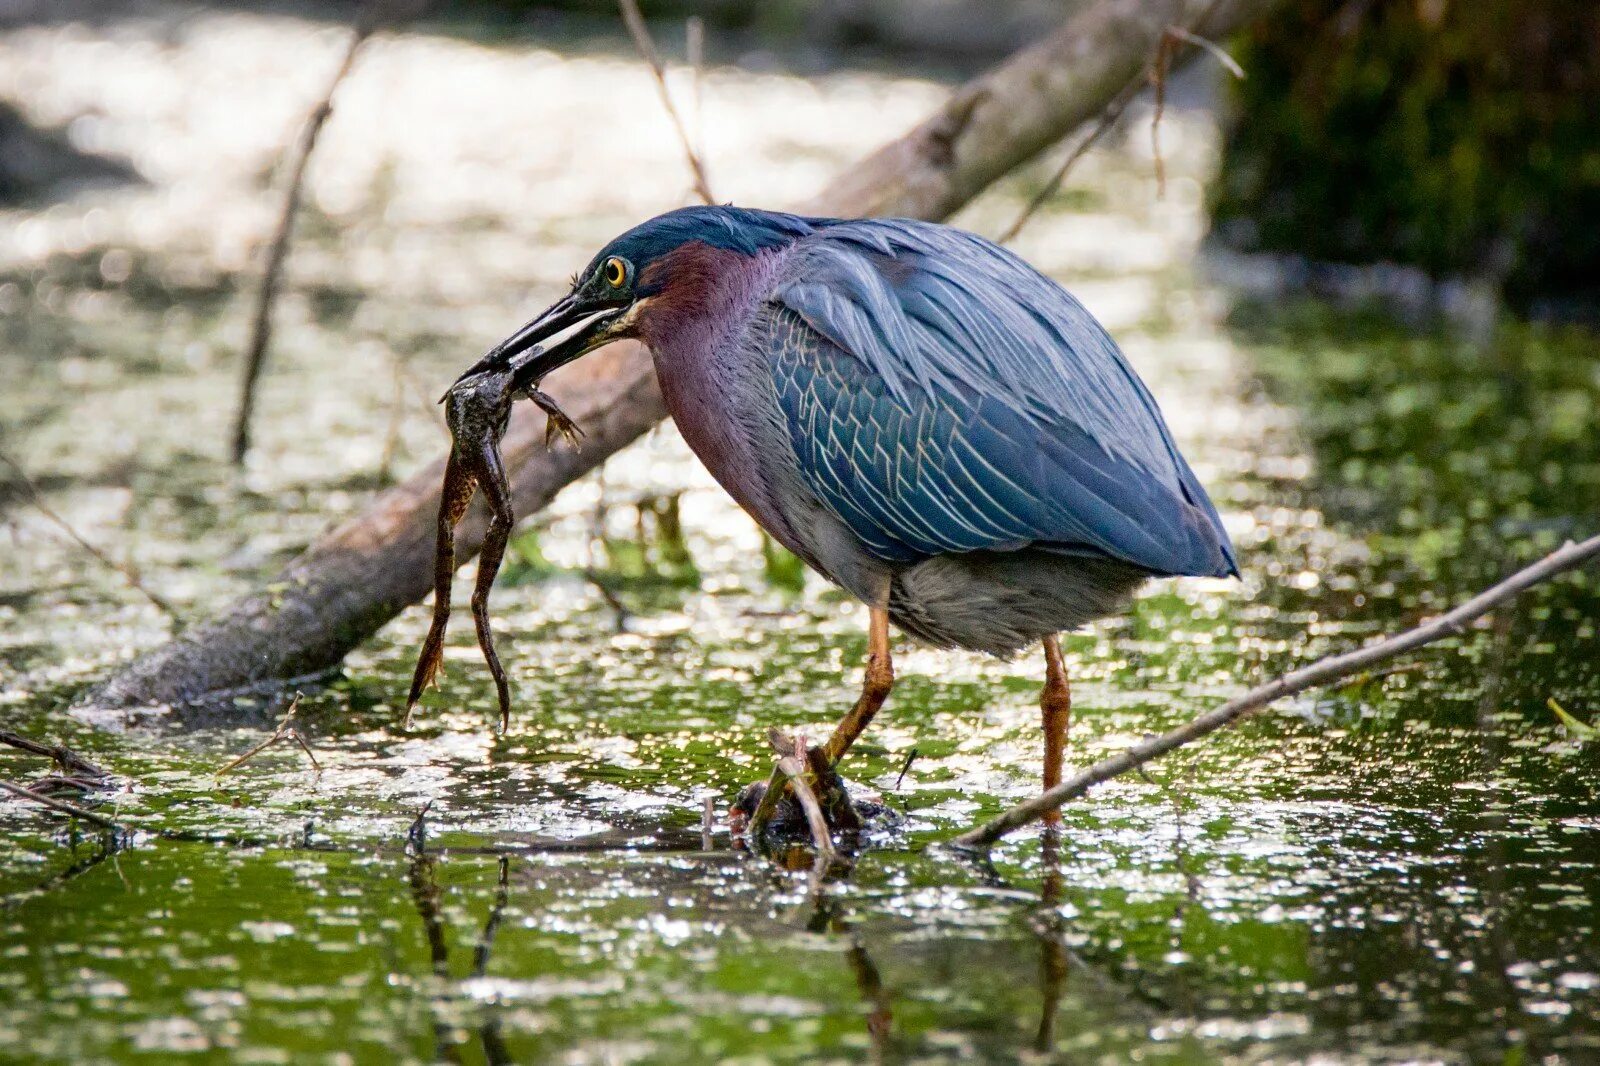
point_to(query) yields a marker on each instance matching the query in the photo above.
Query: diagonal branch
(284, 731)
(60, 806)
(278, 250)
(640, 33)
(1322, 672)
(134, 579)
(63, 756)
(1155, 75)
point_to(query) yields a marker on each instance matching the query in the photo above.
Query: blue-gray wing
(943, 396)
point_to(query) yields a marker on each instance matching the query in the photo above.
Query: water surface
(1405, 868)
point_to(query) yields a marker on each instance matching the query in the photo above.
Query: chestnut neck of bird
(704, 293)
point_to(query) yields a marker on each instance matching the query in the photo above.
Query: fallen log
(367, 570)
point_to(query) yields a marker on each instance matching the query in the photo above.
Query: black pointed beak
(523, 353)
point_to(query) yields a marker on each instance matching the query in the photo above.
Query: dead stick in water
(60, 806)
(284, 731)
(129, 574)
(63, 756)
(1333, 668)
(278, 250)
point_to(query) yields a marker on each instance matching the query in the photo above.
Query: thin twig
(792, 761)
(417, 835)
(694, 52)
(284, 731)
(63, 756)
(609, 595)
(60, 806)
(127, 570)
(1322, 672)
(708, 814)
(1108, 118)
(418, 393)
(1155, 74)
(1158, 82)
(1230, 64)
(1166, 51)
(62, 783)
(300, 739)
(278, 250)
(634, 20)
(391, 435)
(491, 924)
(905, 767)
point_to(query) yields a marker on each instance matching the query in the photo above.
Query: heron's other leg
(459, 485)
(1055, 703)
(874, 689)
(496, 490)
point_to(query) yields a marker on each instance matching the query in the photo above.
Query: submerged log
(370, 568)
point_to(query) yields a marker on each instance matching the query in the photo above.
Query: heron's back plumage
(927, 421)
(945, 397)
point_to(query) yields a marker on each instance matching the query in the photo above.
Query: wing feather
(943, 396)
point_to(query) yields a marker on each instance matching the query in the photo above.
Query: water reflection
(426, 894)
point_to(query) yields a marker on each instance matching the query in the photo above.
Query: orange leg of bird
(874, 690)
(1055, 702)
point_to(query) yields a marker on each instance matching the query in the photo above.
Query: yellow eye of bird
(615, 272)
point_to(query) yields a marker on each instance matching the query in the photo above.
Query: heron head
(609, 296)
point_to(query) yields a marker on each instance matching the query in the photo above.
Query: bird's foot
(784, 819)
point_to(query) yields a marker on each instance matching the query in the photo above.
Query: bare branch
(694, 52)
(284, 731)
(1156, 75)
(127, 570)
(1230, 64)
(1322, 672)
(60, 806)
(1158, 80)
(64, 757)
(640, 33)
(278, 250)
(1108, 118)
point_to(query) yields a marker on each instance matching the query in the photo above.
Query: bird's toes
(845, 811)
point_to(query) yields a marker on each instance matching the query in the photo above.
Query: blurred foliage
(35, 163)
(1460, 136)
(781, 567)
(1427, 434)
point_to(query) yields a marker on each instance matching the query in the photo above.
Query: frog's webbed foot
(558, 422)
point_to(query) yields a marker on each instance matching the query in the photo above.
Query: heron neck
(709, 381)
(707, 299)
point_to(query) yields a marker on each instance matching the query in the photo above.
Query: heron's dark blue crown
(735, 229)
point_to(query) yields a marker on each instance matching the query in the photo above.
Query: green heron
(922, 417)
